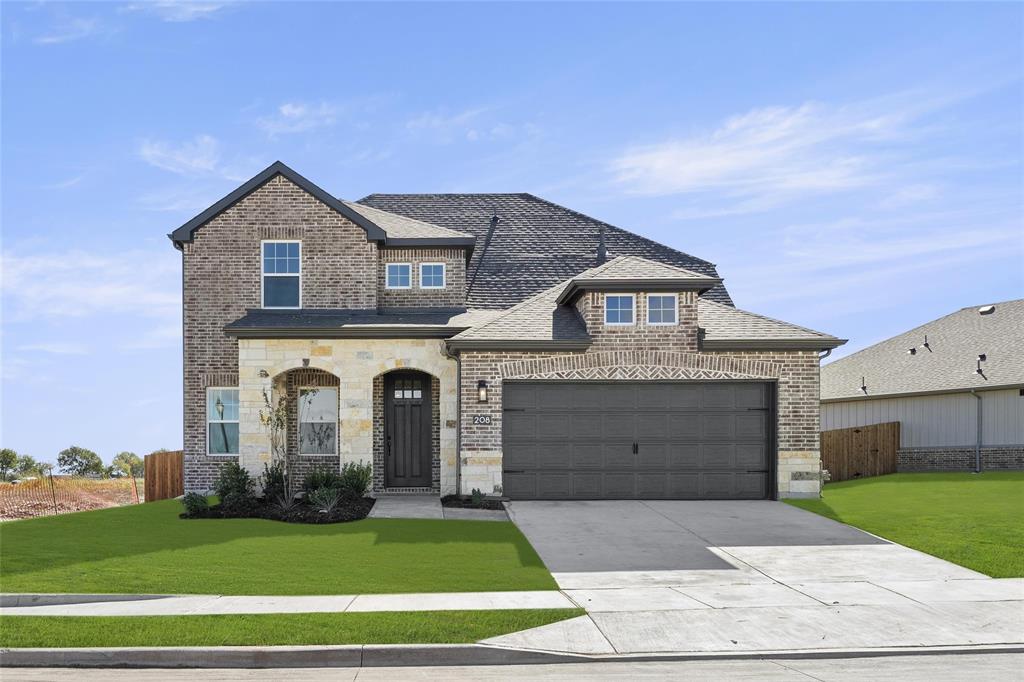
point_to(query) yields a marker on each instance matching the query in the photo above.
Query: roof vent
(602, 250)
(986, 310)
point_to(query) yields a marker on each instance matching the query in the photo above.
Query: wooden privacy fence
(165, 475)
(860, 451)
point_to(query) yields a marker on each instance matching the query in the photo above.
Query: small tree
(80, 462)
(8, 462)
(128, 464)
(274, 418)
(28, 466)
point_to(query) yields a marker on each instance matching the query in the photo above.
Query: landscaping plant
(236, 490)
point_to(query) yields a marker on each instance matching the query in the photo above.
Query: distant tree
(8, 461)
(28, 466)
(80, 462)
(127, 463)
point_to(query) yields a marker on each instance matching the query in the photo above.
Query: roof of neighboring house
(535, 244)
(379, 225)
(345, 323)
(542, 321)
(947, 364)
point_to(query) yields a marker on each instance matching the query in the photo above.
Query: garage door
(675, 441)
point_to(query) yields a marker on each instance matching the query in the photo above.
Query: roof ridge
(764, 317)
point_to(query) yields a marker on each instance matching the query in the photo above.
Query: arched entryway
(406, 425)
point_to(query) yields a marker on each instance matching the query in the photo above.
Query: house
(956, 385)
(497, 342)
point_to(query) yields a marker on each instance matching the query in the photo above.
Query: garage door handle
(636, 449)
(514, 471)
(757, 471)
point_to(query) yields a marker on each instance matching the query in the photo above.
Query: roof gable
(185, 232)
(630, 273)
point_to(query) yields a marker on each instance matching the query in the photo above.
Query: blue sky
(855, 168)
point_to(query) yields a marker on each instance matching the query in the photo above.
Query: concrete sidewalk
(191, 605)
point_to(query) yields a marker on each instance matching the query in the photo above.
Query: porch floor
(407, 507)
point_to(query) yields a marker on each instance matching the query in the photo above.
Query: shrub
(477, 496)
(196, 505)
(236, 489)
(356, 478)
(324, 500)
(321, 478)
(272, 481)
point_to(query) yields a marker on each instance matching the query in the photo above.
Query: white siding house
(936, 391)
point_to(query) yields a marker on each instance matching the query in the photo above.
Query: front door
(407, 417)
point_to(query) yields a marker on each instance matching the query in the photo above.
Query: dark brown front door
(407, 415)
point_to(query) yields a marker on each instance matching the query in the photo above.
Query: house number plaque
(481, 419)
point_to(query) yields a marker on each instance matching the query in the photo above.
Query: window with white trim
(431, 275)
(318, 421)
(222, 421)
(618, 308)
(661, 309)
(282, 274)
(398, 276)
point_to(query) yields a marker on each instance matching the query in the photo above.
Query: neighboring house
(956, 385)
(483, 341)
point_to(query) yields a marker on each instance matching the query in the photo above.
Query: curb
(385, 655)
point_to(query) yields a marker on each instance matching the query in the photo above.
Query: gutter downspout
(977, 442)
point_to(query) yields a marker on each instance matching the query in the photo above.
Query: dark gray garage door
(676, 441)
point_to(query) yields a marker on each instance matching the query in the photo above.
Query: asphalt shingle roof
(725, 323)
(540, 318)
(401, 226)
(949, 362)
(535, 245)
(632, 267)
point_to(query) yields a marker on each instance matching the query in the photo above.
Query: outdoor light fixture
(305, 362)
(264, 374)
(481, 391)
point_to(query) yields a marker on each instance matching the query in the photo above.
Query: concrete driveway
(630, 535)
(714, 577)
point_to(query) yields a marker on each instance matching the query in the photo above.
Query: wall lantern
(481, 391)
(264, 374)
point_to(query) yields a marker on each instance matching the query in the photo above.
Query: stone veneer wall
(222, 270)
(356, 363)
(453, 295)
(999, 457)
(795, 372)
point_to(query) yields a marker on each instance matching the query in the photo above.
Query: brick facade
(795, 373)
(1000, 457)
(681, 337)
(453, 295)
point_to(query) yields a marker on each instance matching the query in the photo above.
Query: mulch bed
(460, 502)
(348, 510)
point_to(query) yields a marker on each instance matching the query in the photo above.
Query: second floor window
(432, 276)
(282, 277)
(661, 310)
(618, 309)
(398, 276)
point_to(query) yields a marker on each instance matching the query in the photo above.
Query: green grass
(448, 627)
(975, 520)
(148, 549)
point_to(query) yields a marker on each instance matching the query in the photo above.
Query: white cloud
(198, 156)
(81, 284)
(471, 125)
(298, 117)
(69, 29)
(56, 348)
(178, 10)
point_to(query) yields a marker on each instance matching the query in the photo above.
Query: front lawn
(438, 627)
(147, 549)
(975, 520)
